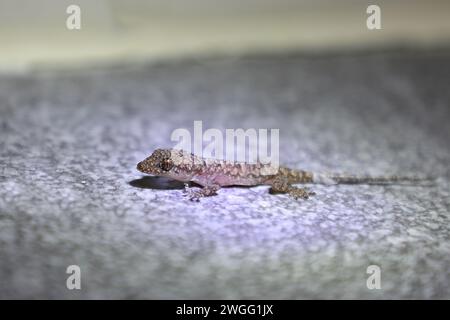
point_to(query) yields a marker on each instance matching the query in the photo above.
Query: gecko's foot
(300, 193)
(192, 193)
(196, 194)
(282, 186)
(294, 192)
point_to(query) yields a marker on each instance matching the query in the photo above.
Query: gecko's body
(213, 174)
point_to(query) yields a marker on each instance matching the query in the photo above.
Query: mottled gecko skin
(213, 174)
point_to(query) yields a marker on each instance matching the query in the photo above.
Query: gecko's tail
(326, 178)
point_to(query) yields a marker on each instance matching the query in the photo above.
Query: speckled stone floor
(70, 193)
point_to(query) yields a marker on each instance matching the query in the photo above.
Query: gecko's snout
(140, 166)
(145, 166)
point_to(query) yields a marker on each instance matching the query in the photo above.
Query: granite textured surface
(70, 193)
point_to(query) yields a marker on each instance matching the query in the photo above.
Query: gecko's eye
(166, 164)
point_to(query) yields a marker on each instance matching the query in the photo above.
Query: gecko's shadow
(161, 183)
(158, 183)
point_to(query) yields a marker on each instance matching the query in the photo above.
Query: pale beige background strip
(33, 33)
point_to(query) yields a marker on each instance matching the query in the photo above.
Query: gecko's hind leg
(280, 185)
(206, 191)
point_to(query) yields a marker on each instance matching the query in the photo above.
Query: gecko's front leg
(205, 191)
(281, 185)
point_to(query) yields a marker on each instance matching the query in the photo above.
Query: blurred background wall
(33, 33)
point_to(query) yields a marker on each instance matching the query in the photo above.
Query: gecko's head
(166, 162)
(159, 163)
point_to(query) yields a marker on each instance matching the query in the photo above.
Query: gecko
(212, 174)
